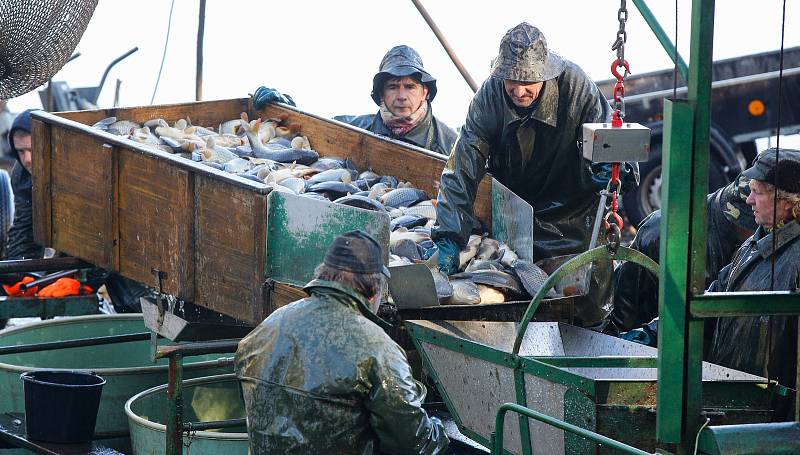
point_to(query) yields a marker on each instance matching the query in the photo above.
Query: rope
(164, 54)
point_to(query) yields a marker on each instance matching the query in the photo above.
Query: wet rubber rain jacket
(319, 377)
(430, 133)
(636, 289)
(536, 154)
(762, 345)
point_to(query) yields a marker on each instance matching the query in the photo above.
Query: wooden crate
(136, 210)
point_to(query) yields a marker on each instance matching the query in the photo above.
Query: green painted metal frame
(550, 368)
(47, 308)
(526, 413)
(682, 304)
(662, 37)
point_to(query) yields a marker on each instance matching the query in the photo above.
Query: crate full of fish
(212, 201)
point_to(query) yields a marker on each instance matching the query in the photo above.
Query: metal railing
(497, 436)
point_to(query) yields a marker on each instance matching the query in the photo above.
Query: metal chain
(622, 35)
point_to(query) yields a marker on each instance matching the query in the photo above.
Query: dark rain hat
(733, 203)
(357, 252)
(784, 174)
(398, 62)
(524, 56)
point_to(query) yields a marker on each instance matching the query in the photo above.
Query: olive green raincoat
(319, 377)
(536, 154)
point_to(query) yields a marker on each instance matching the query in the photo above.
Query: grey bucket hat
(785, 175)
(524, 56)
(398, 62)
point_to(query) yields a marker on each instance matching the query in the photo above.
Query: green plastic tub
(126, 367)
(205, 399)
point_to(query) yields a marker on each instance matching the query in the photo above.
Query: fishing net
(36, 39)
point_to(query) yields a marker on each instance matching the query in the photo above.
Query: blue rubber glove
(646, 335)
(264, 95)
(448, 256)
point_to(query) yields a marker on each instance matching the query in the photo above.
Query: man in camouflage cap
(524, 125)
(767, 261)
(318, 376)
(730, 222)
(403, 90)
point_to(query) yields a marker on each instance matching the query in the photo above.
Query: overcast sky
(325, 53)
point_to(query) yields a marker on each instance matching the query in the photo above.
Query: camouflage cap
(357, 252)
(784, 174)
(733, 203)
(398, 62)
(524, 56)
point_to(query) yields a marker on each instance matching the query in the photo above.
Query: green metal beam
(662, 37)
(717, 304)
(46, 308)
(599, 362)
(674, 261)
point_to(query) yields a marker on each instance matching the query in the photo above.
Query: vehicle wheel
(6, 209)
(647, 197)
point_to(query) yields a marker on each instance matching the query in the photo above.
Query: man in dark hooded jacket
(767, 261)
(730, 222)
(404, 91)
(319, 376)
(20, 237)
(524, 125)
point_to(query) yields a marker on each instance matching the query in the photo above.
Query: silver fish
(493, 278)
(331, 175)
(378, 190)
(478, 264)
(237, 166)
(403, 233)
(230, 127)
(465, 292)
(424, 208)
(295, 184)
(507, 255)
(122, 127)
(405, 248)
(444, 290)
(532, 277)
(403, 197)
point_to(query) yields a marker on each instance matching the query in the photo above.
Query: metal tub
(205, 399)
(127, 367)
(598, 382)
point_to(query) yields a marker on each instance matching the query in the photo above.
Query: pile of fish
(489, 271)
(273, 152)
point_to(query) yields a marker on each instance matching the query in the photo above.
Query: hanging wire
(164, 54)
(777, 152)
(675, 58)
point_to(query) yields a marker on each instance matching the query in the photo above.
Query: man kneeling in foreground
(318, 376)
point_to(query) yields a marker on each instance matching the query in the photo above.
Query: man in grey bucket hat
(403, 90)
(319, 376)
(524, 126)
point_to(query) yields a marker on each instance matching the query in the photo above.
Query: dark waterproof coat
(430, 133)
(20, 236)
(636, 289)
(762, 345)
(535, 154)
(319, 377)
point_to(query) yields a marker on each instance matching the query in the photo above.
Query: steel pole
(450, 52)
(81, 342)
(174, 433)
(201, 28)
(662, 37)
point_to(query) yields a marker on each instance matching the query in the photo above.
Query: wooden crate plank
(155, 222)
(229, 240)
(82, 196)
(421, 167)
(41, 197)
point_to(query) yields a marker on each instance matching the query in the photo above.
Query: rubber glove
(264, 95)
(14, 291)
(448, 255)
(647, 334)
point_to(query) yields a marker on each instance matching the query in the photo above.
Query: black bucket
(61, 406)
